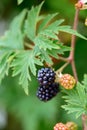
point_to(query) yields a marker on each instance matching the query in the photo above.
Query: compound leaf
(75, 100)
(24, 64)
(68, 29)
(46, 21)
(4, 65)
(51, 31)
(45, 43)
(18, 21)
(13, 39)
(31, 22)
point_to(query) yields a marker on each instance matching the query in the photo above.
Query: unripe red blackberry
(72, 126)
(46, 76)
(46, 93)
(60, 126)
(67, 81)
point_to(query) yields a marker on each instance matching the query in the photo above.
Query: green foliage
(68, 29)
(85, 80)
(10, 43)
(23, 63)
(19, 1)
(15, 46)
(31, 40)
(31, 21)
(76, 99)
(4, 65)
(30, 111)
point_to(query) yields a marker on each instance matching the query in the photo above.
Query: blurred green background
(21, 112)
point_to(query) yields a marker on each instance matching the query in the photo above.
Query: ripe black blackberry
(46, 76)
(46, 93)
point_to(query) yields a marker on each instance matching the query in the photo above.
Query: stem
(63, 58)
(84, 121)
(70, 59)
(28, 45)
(73, 42)
(62, 68)
(74, 70)
(73, 39)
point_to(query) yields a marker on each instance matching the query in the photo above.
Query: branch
(73, 42)
(63, 59)
(70, 59)
(62, 68)
(84, 120)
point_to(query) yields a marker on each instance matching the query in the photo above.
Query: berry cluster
(67, 81)
(46, 76)
(60, 126)
(72, 125)
(46, 93)
(67, 126)
(48, 88)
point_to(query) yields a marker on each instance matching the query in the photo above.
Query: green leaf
(42, 55)
(44, 48)
(85, 80)
(4, 65)
(68, 29)
(54, 25)
(74, 109)
(17, 23)
(75, 100)
(49, 34)
(24, 64)
(45, 43)
(45, 57)
(53, 53)
(63, 48)
(81, 94)
(13, 39)
(46, 21)
(11, 42)
(19, 1)
(52, 29)
(31, 22)
(26, 90)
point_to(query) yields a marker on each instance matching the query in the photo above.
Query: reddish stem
(73, 41)
(84, 120)
(71, 59)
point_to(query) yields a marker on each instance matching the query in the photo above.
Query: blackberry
(46, 76)
(46, 93)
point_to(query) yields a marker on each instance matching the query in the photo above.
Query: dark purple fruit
(45, 93)
(46, 76)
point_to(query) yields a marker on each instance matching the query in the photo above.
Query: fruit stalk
(62, 68)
